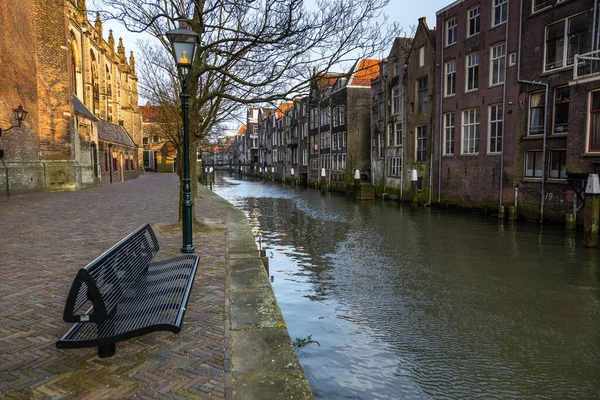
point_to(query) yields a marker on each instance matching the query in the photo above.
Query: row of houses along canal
(427, 304)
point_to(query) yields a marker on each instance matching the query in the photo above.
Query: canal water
(427, 304)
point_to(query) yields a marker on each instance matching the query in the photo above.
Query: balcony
(586, 65)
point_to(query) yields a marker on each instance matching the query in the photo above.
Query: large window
(451, 33)
(396, 101)
(496, 128)
(395, 166)
(472, 82)
(564, 39)
(497, 64)
(450, 88)
(342, 115)
(558, 164)
(594, 140)
(474, 25)
(500, 12)
(398, 134)
(534, 167)
(537, 111)
(561, 110)
(421, 143)
(470, 131)
(390, 134)
(422, 95)
(449, 133)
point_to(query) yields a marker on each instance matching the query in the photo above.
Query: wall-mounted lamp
(20, 115)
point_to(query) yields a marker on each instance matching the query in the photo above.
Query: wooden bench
(123, 294)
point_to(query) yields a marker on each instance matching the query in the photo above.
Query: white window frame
(451, 25)
(450, 75)
(469, 59)
(542, 5)
(498, 63)
(542, 106)
(554, 107)
(495, 125)
(535, 172)
(395, 166)
(449, 132)
(398, 134)
(396, 101)
(470, 131)
(500, 5)
(565, 61)
(420, 143)
(473, 14)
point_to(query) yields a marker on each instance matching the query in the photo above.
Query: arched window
(108, 94)
(95, 84)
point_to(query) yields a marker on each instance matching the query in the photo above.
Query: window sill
(588, 154)
(540, 10)
(498, 24)
(560, 181)
(471, 91)
(558, 134)
(473, 35)
(448, 155)
(499, 84)
(499, 153)
(451, 44)
(555, 70)
(533, 137)
(449, 96)
(531, 179)
(469, 154)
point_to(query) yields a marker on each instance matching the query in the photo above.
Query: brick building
(557, 105)
(50, 53)
(476, 123)
(159, 153)
(388, 120)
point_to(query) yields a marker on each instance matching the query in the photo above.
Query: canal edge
(260, 360)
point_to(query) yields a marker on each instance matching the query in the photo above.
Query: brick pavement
(46, 237)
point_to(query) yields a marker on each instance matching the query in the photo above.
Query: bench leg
(107, 351)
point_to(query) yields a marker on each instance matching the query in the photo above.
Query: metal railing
(586, 64)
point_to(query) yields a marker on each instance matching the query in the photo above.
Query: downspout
(441, 87)
(543, 187)
(506, 56)
(386, 133)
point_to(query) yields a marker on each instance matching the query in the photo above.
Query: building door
(121, 165)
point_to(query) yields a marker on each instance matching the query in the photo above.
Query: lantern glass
(184, 43)
(20, 114)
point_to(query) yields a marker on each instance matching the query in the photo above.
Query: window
(336, 116)
(343, 160)
(537, 111)
(421, 143)
(533, 164)
(564, 39)
(500, 12)
(496, 128)
(342, 115)
(155, 138)
(398, 134)
(561, 110)
(422, 95)
(472, 72)
(390, 132)
(594, 140)
(451, 34)
(396, 100)
(395, 166)
(473, 26)
(470, 131)
(145, 140)
(449, 133)
(421, 56)
(497, 64)
(380, 145)
(558, 164)
(450, 88)
(334, 142)
(512, 60)
(541, 4)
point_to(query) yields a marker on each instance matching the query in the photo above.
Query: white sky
(405, 12)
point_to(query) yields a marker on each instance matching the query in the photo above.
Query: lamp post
(184, 43)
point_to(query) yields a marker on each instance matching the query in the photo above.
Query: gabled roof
(242, 129)
(363, 71)
(149, 114)
(327, 79)
(114, 133)
(282, 108)
(80, 108)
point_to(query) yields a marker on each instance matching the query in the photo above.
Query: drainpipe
(110, 162)
(441, 108)
(506, 57)
(386, 133)
(543, 187)
(7, 184)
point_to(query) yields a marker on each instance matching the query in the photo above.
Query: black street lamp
(184, 43)
(20, 115)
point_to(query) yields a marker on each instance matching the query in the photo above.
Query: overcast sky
(405, 12)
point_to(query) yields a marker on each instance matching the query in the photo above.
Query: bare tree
(258, 51)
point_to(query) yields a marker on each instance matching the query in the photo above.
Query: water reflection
(428, 304)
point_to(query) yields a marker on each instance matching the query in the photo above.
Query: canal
(427, 304)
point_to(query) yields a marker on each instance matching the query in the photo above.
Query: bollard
(591, 212)
(414, 205)
(512, 213)
(357, 183)
(501, 212)
(570, 223)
